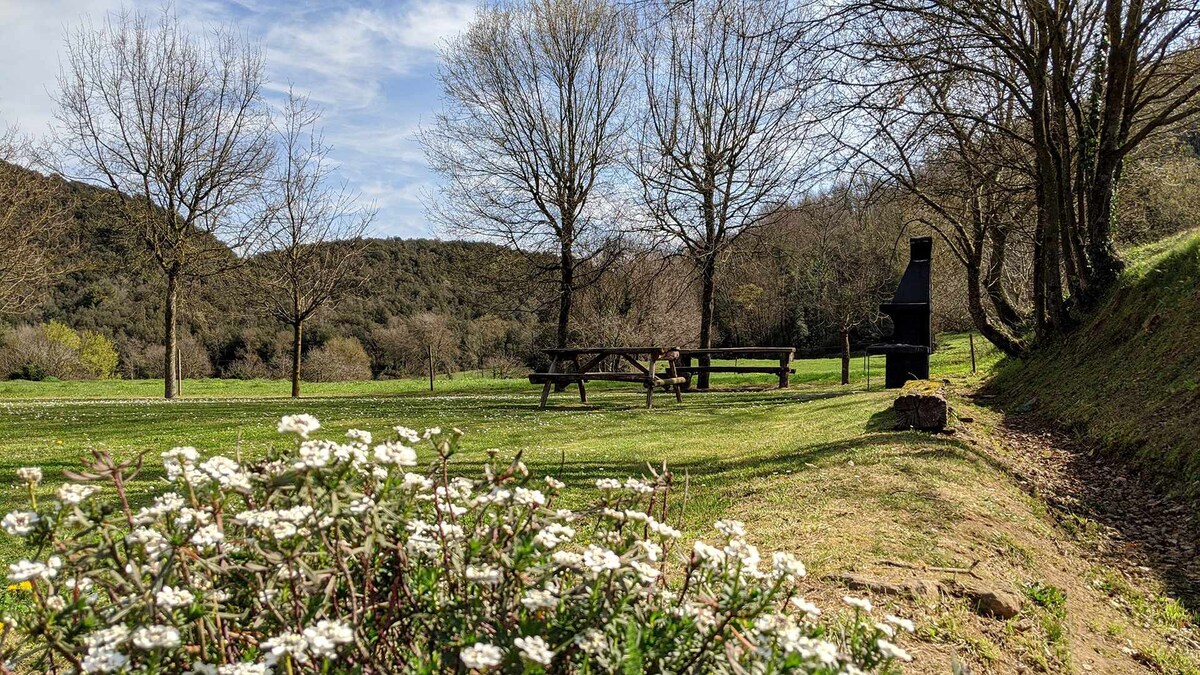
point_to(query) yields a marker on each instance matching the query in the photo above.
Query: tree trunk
(566, 288)
(170, 338)
(845, 356)
(1003, 341)
(297, 344)
(708, 276)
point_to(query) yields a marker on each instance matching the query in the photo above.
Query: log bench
(785, 356)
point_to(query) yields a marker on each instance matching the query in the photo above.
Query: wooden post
(785, 370)
(546, 387)
(429, 351)
(971, 337)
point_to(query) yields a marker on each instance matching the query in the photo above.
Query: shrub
(340, 558)
(247, 366)
(147, 361)
(38, 352)
(98, 355)
(341, 359)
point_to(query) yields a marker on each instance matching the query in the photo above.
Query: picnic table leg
(582, 391)
(785, 368)
(650, 386)
(546, 387)
(674, 374)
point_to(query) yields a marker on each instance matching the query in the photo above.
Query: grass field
(815, 469)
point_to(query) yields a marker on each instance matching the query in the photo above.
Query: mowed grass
(720, 443)
(815, 469)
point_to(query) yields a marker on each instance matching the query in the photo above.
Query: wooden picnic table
(783, 371)
(585, 360)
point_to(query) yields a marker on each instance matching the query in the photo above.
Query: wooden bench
(585, 359)
(785, 356)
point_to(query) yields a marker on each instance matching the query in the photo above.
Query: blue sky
(371, 64)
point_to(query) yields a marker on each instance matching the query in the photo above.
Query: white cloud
(369, 63)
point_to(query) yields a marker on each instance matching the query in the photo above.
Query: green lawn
(721, 440)
(815, 469)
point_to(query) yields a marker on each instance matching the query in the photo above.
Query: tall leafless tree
(1074, 85)
(531, 131)
(175, 124)
(725, 135)
(313, 232)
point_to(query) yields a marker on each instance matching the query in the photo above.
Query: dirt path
(1147, 534)
(1120, 521)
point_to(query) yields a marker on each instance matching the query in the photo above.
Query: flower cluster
(343, 556)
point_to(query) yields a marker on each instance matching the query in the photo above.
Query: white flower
(535, 649)
(591, 641)
(361, 505)
(324, 638)
(244, 669)
(709, 556)
(359, 436)
(208, 536)
(315, 454)
(172, 598)
(598, 559)
(294, 645)
(30, 474)
(226, 472)
(395, 454)
(805, 606)
(431, 432)
(481, 656)
(731, 528)
(858, 603)
(26, 570)
(526, 497)
(181, 461)
(487, 575)
(155, 637)
(664, 530)
(103, 661)
(554, 483)
(639, 487)
(407, 434)
(413, 481)
(552, 535)
(903, 624)
(788, 566)
(891, 651)
(302, 425)
(608, 484)
(19, 523)
(536, 599)
(73, 493)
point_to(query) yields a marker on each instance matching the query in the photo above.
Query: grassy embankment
(1129, 378)
(815, 469)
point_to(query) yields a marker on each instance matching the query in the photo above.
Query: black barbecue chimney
(907, 350)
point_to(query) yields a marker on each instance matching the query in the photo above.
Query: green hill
(1128, 379)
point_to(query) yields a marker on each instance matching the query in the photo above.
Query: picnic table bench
(785, 356)
(585, 360)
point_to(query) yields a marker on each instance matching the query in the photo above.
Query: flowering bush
(342, 557)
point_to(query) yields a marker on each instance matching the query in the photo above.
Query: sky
(370, 64)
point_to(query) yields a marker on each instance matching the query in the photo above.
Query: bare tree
(534, 117)
(1074, 85)
(33, 215)
(313, 231)
(723, 137)
(175, 124)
